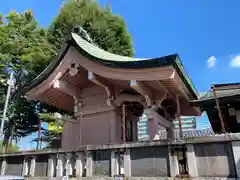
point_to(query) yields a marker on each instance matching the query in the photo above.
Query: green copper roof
(113, 60)
(100, 53)
(94, 53)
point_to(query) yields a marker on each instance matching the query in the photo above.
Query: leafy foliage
(22, 116)
(24, 44)
(52, 138)
(24, 50)
(12, 147)
(108, 31)
(27, 49)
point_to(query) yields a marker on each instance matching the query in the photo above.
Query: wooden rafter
(67, 88)
(177, 82)
(176, 98)
(166, 90)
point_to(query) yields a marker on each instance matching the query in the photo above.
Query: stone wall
(212, 157)
(131, 178)
(14, 165)
(101, 163)
(150, 161)
(41, 165)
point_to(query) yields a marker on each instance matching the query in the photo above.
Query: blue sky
(206, 34)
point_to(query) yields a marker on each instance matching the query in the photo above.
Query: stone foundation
(210, 158)
(133, 178)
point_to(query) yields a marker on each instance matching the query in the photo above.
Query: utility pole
(4, 116)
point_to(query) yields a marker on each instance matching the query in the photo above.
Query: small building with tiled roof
(228, 98)
(107, 93)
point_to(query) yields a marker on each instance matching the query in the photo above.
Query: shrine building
(221, 104)
(107, 93)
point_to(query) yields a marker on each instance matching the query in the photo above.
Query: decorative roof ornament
(73, 70)
(82, 33)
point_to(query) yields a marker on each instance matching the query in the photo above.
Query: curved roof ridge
(98, 55)
(118, 61)
(91, 49)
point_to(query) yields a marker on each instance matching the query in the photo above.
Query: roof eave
(44, 75)
(184, 76)
(170, 60)
(175, 62)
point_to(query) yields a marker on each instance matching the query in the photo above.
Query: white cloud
(211, 61)
(235, 62)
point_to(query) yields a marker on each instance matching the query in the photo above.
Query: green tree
(29, 48)
(12, 147)
(107, 30)
(24, 50)
(24, 44)
(51, 137)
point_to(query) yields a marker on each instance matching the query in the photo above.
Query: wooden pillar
(179, 118)
(218, 109)
(124, 122)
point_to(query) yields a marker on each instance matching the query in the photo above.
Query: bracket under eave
(142, 89)
(104, 84)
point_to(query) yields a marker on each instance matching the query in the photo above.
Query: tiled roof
(221, 92)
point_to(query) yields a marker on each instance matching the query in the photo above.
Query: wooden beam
(67, 88)
(124, 123)
(104, 84)
(179, 118)
(127, 97)
(142, 89)
(160, 99)
(65, 118)
(174, 97)
(152, 114)
(77, 105)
